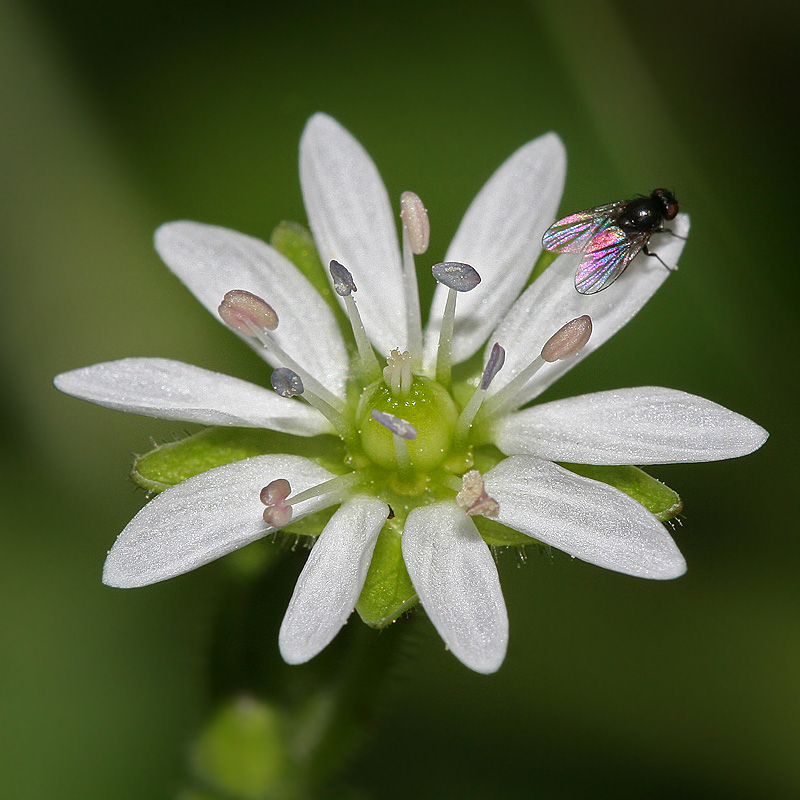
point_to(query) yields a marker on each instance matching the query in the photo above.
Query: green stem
(324, 708)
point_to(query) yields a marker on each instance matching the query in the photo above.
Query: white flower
(449, 563)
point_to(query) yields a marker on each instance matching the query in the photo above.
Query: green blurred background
(117, 117)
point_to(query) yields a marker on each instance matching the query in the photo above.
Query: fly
(610, 236)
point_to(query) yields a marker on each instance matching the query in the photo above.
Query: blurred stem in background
(281, 731)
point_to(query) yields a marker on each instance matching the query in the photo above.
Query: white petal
(582, 517)
(648, 425)
(353, 222)
(501, 237)
(457, 582)
(211, 261)
(331, 581)
(553, 301)
(158, 387)
(204, 518)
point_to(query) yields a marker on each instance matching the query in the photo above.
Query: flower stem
(322, 709)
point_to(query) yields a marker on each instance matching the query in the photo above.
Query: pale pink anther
(415, 222)
(474, 498)
(247, 313)
(568, 340)
(277, 513)
(275, 492)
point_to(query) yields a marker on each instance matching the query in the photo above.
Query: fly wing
(574, 233)
(601, 266)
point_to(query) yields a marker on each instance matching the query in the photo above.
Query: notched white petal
(501, 236)
(159, 387)
(212, 261)
(204, 518)
(587, 519)
(353, 223)
(456, 579)
(331, 581)
(646, 425)
(552, 300)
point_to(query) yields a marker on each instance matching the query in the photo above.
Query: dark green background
(116, 117)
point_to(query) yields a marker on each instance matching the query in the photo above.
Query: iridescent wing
(611, 252)
(574, 233)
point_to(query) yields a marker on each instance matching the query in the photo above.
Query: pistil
(397, 374)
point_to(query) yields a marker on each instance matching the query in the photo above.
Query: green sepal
(242, 753)
(296, 243)
(655, 496)
(496, 534)
(311, 525)
(169, 464)
(388, 591)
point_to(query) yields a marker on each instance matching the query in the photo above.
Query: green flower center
(427, 406)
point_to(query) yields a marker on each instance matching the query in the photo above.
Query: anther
(243, 311)
(402, 432)
(568, 340)
(344, 286)
(399, 427)
(474, 498)
(493, 365)
(457, 277)
(415, 222)
(286, 382)
(277, 513)
(343, 283)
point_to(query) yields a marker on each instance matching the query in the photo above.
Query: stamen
(493, 366)
(457, 277)
(566, 342)
(416, 234)
(402, 432)
(287, 383)
(252, 316)
(397, 373)
(474, 498)
(344, 286)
